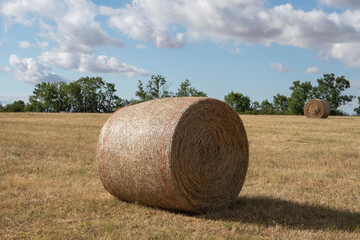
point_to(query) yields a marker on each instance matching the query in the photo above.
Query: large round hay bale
(317, 108)
(187, 154)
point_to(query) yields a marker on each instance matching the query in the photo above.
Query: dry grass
(302, 183)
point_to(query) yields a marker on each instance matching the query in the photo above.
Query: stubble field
(303, 182)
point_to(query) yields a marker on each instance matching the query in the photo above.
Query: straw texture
(186, 153)
(317, 108)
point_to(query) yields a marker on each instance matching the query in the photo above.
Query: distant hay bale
(317, 108)
(186, 153)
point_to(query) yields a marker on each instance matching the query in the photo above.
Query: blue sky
(255, 47)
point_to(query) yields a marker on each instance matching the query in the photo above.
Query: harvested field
(302, 183)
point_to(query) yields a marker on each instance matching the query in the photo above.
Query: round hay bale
(317, 108)
(185, 153)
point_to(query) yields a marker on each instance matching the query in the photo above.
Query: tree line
(84, 95)
(93, 95)
(328, 88)
(97, 96)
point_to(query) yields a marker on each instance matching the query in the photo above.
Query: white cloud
(26, 12)
(314, 70)
(341, 3)
(110, 65)
(90, 63)
(279, 67)
(76, 29)
(61, 59)
(172, 24)
(30, 71)
(5, 69)
(168, 23)
(349, 53)
(140, 46)
(42, 45)
(25, 44)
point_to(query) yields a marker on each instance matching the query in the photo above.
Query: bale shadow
(271, 212)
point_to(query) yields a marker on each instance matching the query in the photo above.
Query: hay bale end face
(317, 108)
(186, 153)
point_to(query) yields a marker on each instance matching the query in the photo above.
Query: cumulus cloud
(172, 24)
(341, 3)
(26, 11)
(279, 67)
(42, 44)
(349, 53)
(31, 71)
(314, 70)
(90, 63)
(167, 23)
(76, 33)
(5, 69)
(110, 65)
(76, 28)
(25, 44)
(147, 21)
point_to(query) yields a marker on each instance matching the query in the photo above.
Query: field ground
(303, 182)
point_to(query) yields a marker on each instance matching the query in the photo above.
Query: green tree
(91, 94)
(109, 101)
(1, 107)
(49, 97)
(75, 98)
(280, 103)
(90, 89)
(63, 97)
(34, 106)
(330, 89)
(133, 101)
(301, 93)
(43, 97)
(255, 106)
(156, 88)
(17, 106)
(122, 102)
(141, 93)
(238, 101)
(186, 91)
(266, 107)
(84, 95)
(357, 110)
